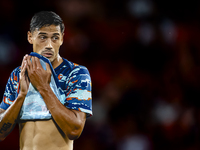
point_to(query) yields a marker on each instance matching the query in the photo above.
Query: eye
(42, 37)
(55, 38)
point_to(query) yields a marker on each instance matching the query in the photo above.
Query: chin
(51, 60)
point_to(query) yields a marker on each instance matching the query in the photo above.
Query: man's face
(46, 41)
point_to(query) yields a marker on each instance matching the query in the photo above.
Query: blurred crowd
(144, 61)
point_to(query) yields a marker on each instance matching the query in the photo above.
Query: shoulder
(76, 68)
(14, 77)
(16, 71)
(13, 81)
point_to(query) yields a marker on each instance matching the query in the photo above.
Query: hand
(37, 75)
(24, 80)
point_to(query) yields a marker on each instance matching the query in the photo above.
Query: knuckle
(33, 71)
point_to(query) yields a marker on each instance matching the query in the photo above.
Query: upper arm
(80, 115)
(78, 126)
(11, 90)
(78, 96)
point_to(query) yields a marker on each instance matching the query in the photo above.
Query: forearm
(8, 119)
(70, 122)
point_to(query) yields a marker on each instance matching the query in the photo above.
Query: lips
(47, 54)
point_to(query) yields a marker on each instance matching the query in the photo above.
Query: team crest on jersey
(62, 78)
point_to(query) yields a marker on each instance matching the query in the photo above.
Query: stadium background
(144, 60)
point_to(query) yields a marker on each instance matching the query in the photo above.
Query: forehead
(49, 29)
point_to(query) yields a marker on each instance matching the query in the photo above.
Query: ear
(29, 37)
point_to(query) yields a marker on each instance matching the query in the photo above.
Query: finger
(29, 64)
(37, 62)
(48, 68)
(27, 79)
(33, 62)
(24, 59)
(23, 65)
(23, 69)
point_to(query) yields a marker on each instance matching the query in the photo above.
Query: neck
(57, 62)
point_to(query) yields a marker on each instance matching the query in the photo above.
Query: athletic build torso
(43, 135)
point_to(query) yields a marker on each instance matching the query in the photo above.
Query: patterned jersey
(74, 81)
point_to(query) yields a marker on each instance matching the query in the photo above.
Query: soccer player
(67, 119)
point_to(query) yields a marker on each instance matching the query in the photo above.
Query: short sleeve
(78, 92)
(11, 90)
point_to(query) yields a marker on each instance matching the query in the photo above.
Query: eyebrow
(43, 33)
(56, 34)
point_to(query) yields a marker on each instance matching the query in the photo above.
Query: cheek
(37, 47)
(56, 48)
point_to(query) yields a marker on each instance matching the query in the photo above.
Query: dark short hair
(46, 18)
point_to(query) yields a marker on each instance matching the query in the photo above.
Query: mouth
(47, 54)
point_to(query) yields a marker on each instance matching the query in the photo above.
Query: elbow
(75, 134)
(75, 131)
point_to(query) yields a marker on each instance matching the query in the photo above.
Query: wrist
(44, 89)
(22, 95)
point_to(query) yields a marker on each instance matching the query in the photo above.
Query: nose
(48, 44)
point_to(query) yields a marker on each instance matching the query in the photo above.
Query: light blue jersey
(74, 83)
